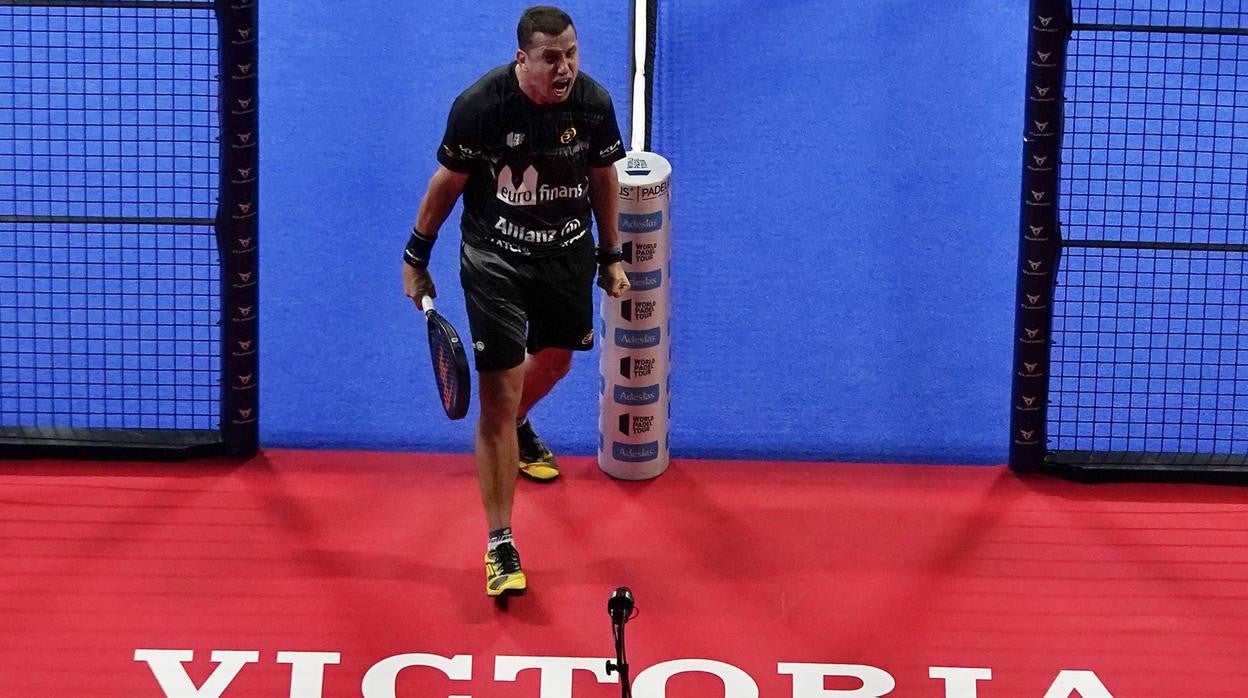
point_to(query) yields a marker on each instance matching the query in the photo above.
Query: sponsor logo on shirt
(527, 192)
(609, 149)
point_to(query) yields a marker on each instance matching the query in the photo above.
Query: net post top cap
(640, 168)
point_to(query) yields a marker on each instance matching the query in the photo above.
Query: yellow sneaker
(537, 463)
(503, 575)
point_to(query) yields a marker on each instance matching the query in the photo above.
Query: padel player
(530, 146)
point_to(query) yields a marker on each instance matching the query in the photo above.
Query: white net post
(634, 412)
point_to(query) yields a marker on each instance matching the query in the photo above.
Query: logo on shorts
(514, 139)
(568, 136)
(588, 339)
(478, 346)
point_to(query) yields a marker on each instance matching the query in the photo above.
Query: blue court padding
(844, 221)
(354, 102)
(845, 214)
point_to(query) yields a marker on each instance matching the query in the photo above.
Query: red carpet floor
(769, 574)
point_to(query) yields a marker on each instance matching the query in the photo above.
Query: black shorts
(517, 304)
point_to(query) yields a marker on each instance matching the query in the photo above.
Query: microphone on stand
(620, 608)
(620, 605)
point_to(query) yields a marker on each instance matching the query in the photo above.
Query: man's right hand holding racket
(450, 361)
(417, 283)
(445, 188)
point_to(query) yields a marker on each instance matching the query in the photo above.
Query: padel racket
(450, 362)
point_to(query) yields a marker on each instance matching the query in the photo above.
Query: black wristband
(419, 247)
(607, 257)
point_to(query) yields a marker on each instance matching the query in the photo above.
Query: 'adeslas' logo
(635, 453)
(647, 395)
(645, 280)
(641, 222)
(637, 339)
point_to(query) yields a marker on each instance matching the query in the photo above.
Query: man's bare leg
(541, 372)
(497, 453)
(496, 447)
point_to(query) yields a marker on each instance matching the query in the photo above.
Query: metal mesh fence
(110, 298)
(1150, 353)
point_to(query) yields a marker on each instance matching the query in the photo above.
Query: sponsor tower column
(634, 416)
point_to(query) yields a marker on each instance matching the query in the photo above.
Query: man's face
(549, 66)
